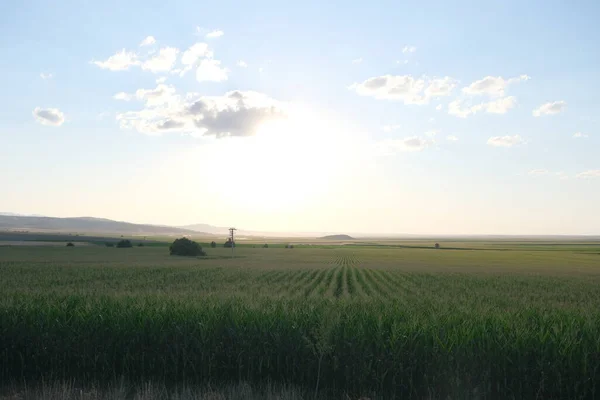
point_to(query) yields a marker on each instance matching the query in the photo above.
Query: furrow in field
(324, 282)
(376, 289)
(393, 290)
(302, 281)
(363, 288)
(329, 285)
(295, 279)
(257, 282)
(271, 281)
(400, 283)
(381, 287)
(351, 281)
(315, 282)
(338, 283)
(292, 280)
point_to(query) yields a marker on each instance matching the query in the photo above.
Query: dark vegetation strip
(383, 347)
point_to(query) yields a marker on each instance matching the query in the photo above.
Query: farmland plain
(475, 319)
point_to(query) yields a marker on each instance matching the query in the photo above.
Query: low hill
(337, 237)
(216, 230)
(85, 225)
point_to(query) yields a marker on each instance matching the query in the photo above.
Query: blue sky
(380, 117)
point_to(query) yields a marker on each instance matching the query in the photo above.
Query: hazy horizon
(444, 118)
(257, 232)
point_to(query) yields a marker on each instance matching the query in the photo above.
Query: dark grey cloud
(49, 116)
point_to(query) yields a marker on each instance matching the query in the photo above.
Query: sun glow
(289, 163)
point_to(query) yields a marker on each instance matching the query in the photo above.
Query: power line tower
(231, 239)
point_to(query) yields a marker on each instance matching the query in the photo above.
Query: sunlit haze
(385, 117)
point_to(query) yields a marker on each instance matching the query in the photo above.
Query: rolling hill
(85, 225)
(337, 237)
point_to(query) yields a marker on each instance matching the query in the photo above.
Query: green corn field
(487, 321)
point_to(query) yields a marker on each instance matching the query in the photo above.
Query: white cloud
(409, 144)
(192, 56)
(390, 128)
(154, 97)
(122, 96)
(195, 52)
(580, 135)
(119, 61)
(45, 76)
(164, 61)
(451, 138)
(440, 87)
(261, 69)
(432, 133)
(162, 79)
(492, 85)
(409, 49)
(550, 108)
(236, 113)
(210, 70)
(49, 116)
(150, 40)
(357, 60)
(500, 106)
(215, 34)
(538, 172)
(242, 64)
(592, 173)
(401, 62)
(505, 141)
(439, 107)
(405, 88)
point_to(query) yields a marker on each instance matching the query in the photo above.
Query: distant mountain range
(14, 222)
(91, 225)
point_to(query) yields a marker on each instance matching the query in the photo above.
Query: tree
(70, 244)
(266, 246)
(186, 247)
(140, 244)
(125, 243)
(229, 244)
(437, 245)
(109, 244)
(213, 244)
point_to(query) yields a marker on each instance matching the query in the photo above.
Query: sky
(429, 117)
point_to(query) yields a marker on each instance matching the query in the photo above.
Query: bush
(213, 244)
(109, 244)
(266, 246)
(70, 244)
(186, 247)
(140, 244)
(124, 243)
(229, 244)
